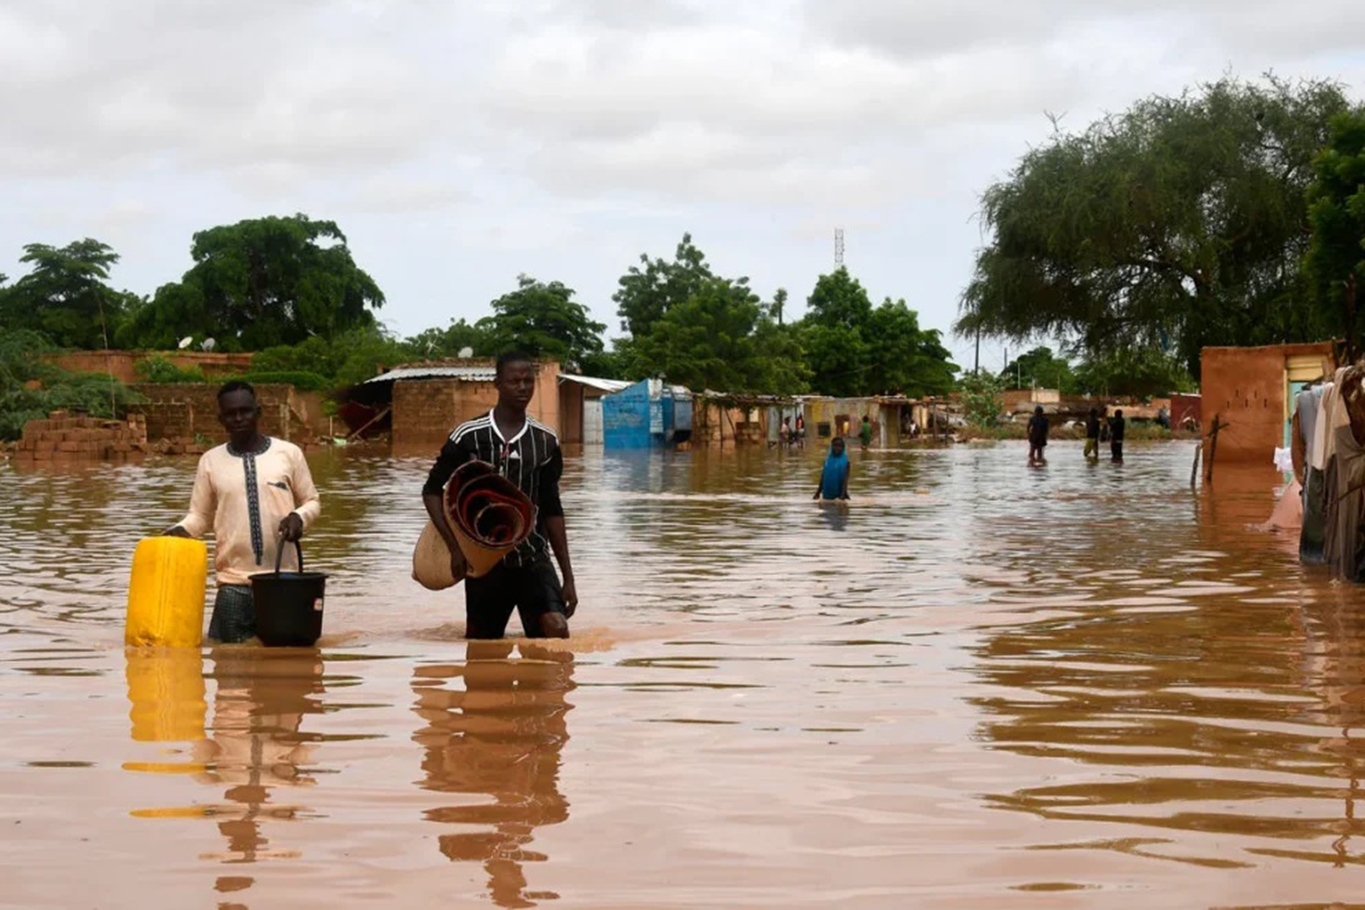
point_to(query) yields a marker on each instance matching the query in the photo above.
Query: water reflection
(166, 694)
(257, 744)
(835, 515)
(493, 745)
(1200, 709)
(254, 746)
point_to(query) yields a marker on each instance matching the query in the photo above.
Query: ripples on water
(978, 685)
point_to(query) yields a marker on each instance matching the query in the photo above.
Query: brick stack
(62, 437)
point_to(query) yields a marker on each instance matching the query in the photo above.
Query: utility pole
(976, 362)
(838, 248)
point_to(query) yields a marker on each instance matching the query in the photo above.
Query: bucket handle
(279, 551)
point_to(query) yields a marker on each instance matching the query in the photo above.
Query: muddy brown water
(981, 685)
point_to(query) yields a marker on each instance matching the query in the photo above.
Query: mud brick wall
(185, 410)
(122, 365)
(61, 437)
(426, 410)
(1246, 388)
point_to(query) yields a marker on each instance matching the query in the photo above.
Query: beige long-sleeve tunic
(243, 497)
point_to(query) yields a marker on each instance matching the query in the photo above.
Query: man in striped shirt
(527, 453)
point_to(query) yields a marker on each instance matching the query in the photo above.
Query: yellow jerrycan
(166, 593)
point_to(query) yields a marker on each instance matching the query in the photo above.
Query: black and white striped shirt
(531, 459)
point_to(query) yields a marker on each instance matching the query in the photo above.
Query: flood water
(980, 685)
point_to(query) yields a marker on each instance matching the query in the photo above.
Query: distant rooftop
(467, 373)
(606, 385)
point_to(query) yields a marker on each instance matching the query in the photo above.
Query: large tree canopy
(1177, 224)
(646, 294)
(543, 320)
(261, 283)
(1335, 262)
(66, 296)
(855, 349)
(721, 337)
(1039, 368)
(693, 327)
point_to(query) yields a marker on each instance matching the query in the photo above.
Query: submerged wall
(1248, 390)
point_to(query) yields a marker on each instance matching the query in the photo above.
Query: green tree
(261, 283)
(1335, 262)
(693, 327)
(981, 398)
(837, 312)
(903, 358)
(646, 294)
(545, 321)
(348, 359)
(1042, 369)
(66, 296)
(855, 349)
(1176, 223)
(30, 387)
(1141, 372)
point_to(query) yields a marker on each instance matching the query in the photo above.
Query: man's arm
(552, 514)
(307, 505)
(202, 504)
(848, 472)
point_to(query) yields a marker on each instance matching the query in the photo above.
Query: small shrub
(158, 369)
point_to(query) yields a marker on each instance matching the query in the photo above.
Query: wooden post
(1213, 446)
(371, 422)
(1194, 468)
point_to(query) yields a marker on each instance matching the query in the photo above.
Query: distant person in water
(1116, 424)
(834, 476)
(865, 432)
(1092, 436)
(1037, 436)
(801, 430)
(255, 493)
(784, 434)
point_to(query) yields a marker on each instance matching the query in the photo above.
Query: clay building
(425, 401)
(1252, 390)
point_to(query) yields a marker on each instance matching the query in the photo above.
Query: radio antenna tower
(838, 248)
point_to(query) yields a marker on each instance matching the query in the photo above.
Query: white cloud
(460, 144)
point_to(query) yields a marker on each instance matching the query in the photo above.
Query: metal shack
(580, 407)
(646, 415)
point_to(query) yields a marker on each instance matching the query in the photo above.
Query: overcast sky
(460, 143)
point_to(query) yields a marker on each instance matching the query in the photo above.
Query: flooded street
(979, 685)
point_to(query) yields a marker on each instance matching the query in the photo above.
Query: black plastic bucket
(288, 604)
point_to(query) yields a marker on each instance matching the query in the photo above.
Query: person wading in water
(1116, 426)
(526, 452)
(834, 475)
(256, 493)
(1037, 436)
(1092, 436)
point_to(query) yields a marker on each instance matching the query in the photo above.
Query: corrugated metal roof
(606, 385)
(469, 374)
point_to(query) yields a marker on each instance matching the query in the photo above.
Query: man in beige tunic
(256, 493)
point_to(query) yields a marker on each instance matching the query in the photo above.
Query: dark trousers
(532, 590)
